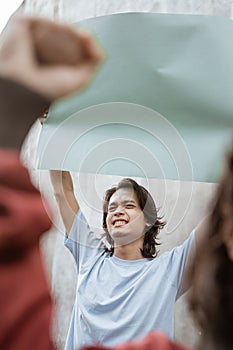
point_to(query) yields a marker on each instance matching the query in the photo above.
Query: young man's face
(125, 219)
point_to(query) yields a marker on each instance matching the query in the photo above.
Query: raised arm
(64, 194)
(200, 234)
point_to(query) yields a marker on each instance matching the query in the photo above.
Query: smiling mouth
(119, 223)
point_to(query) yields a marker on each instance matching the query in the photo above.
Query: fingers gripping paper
(161, 105)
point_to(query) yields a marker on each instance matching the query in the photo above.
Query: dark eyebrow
(124, 202)
(129, 201)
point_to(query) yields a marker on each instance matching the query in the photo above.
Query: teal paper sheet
(161, 106)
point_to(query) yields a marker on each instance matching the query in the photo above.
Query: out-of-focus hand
(50, 58)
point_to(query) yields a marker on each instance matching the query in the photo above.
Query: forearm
(61, 181)
(19, 108)
(64, 194)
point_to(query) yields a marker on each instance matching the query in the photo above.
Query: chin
(115, 233)
(118, 234)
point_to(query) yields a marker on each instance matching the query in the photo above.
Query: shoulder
(184, 248)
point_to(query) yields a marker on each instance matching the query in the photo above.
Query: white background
(6, 9)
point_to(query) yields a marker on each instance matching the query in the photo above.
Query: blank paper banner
(161, 105)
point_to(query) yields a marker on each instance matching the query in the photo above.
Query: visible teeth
(120, 222)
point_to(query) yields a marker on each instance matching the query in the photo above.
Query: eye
(112, 208)
(130, 206)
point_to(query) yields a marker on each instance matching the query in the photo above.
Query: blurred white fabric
(182, 204)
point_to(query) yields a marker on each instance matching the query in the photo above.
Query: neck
(131, 251)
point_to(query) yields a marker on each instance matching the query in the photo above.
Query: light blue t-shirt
(120, 300)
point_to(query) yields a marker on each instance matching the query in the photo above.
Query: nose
(119, 210)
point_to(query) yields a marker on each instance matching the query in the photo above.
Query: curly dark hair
(150, 211)
(211, 298)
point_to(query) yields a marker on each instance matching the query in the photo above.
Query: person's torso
(119, 300)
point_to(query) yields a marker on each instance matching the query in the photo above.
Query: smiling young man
(124, 290)
(125, 223)
(130, 221)
(210, 299)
